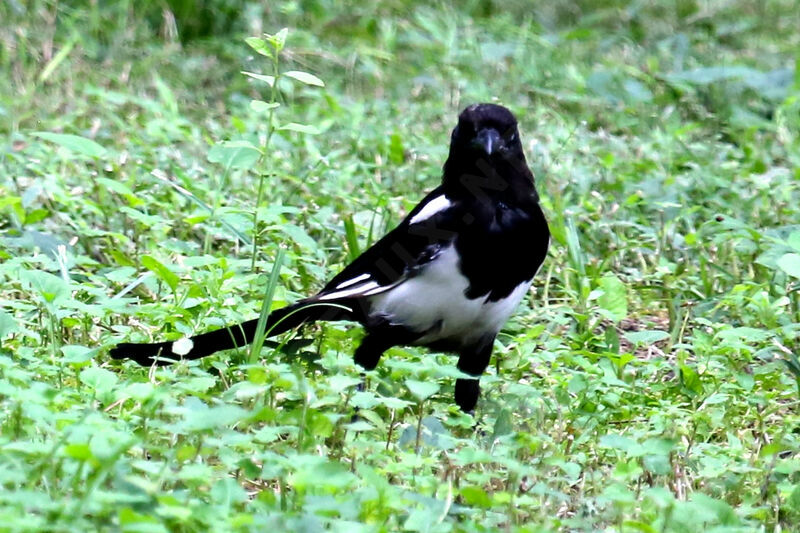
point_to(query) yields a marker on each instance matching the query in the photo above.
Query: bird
(447, 277)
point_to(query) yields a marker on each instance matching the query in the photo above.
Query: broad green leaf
(646, 336)
(321, 474)
(794, 240)
(420, 519)
(247, 145)
(7, 324)
(620, 442)
(77, 354)
(393, 403)
(259, 45)
(299, 236)
(790, 263)
(614, 298)
(771, 449)
(690, 379)
(132, 521)
(433, 433)
(708, 75)
(657, 464)
(359, 425)
(226, 489)
(637, 91)
(658, 446)
(396, 149)
(161, 271)
(240, 155)
(259, 106)
(422, 390)
(101, 447)
(745, 381)
(139, 391)
(744, 333)
(474, 495)
(269, 80)
(504, 425)
(340, 382)
(612, 339)
(278, 41)
(48, 286)
(79, 451)
(304, 77)
(577, 384)
(214, 417)
(717, 398)
(74, 143)
(364, 400)
(99, 379)
(10, 200)
(319, 425)
(794, 499)
(301, 128)
(116, 186)
(721, 510)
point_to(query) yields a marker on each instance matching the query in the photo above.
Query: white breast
(436, 297)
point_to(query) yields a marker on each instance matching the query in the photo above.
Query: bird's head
(486, 157)
(486, 131)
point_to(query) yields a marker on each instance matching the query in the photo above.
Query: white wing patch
(357, 290)
(440, 203)
(364, 285)
(352, 281)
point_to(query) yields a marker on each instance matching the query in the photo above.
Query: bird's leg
(370, 350)
(379, 338)
(472, 361)
(377, 341)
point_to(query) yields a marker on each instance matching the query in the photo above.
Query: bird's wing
(417, 240)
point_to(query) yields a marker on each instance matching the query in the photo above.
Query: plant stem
(264, 158)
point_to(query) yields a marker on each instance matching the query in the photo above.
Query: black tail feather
(279, 321)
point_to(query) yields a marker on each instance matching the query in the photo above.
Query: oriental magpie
(447, 277)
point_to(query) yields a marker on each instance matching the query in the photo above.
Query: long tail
(279, 321)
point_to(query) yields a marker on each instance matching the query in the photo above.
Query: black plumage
(447, 277)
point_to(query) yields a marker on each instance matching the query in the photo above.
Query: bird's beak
(488, 140)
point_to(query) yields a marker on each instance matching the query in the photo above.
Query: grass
(650, 382)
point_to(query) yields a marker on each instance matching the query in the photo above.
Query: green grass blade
(266, 306)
